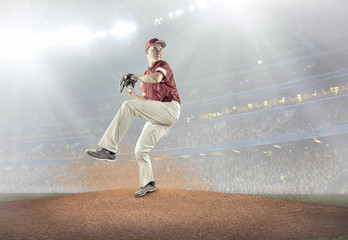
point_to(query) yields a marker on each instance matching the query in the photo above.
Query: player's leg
(117, 128)
(113, 135)
(164, 113)
(149, 136)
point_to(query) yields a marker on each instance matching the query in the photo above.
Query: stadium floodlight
(158, 21)
(192, 7)
(179, 12)
(123, 29)
(171, 15)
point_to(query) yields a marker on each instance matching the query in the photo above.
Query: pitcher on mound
(159, 106)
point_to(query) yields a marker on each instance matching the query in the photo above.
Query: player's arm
(155, 77)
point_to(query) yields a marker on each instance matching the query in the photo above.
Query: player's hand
(130, 90)
(127, 80)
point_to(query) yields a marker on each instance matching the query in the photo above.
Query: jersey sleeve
(165, 70)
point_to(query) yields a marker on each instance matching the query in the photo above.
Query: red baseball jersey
(164, 91)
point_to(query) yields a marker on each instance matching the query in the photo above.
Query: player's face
(155, 51)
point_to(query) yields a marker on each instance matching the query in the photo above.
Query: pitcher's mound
(169, 214)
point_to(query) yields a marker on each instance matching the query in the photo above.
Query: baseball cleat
(101, 154)
(150, 187)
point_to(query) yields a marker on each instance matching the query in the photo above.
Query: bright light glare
(100, 34)
(20, 46)
(23, 45)
(201, 3)
(179, 12)
(74, 35)
(123, 29)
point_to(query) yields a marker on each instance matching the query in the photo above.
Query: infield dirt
(169, 214)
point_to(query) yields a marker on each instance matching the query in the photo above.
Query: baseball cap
(153, 41)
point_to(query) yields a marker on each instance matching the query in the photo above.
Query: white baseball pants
(159, 116)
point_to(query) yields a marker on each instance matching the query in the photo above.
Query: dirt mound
(168, 214)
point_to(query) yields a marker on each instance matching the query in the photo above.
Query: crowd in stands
(298, 170)
(312, 116)
(67, 143)
(257, 125)
(103, 116)
(307, 168)
(293, 170)
(262, 76)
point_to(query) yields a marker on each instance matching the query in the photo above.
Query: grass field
(343, 237)
(7, 197)
(334, 199)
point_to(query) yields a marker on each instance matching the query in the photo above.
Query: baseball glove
(126, 81)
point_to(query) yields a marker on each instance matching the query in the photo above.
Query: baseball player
(159, 106)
